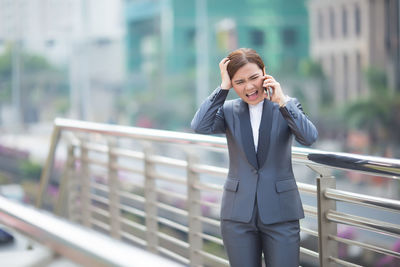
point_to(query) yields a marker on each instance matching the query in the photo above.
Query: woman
(261, 206)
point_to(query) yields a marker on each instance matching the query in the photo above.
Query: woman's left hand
(277, 93)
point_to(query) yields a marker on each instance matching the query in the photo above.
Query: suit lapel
(264, 132)
(247, 134)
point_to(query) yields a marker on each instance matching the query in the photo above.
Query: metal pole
(85, 186)
(326, 247)
(202, 82)
(85, 96)
(194, 209)
(151, 201)
(113, 184)
(65, 180)
(48, 167)
(16, 84)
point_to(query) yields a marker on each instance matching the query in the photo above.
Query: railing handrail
(386, 167)
(82, 245)
(81, 167)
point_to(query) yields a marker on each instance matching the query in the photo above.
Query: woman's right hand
(226, 80)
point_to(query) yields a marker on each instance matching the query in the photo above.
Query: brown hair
(241, 57)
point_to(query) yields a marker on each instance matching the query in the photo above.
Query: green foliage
(311, 69)
(377, 113)
(41, 84)
(31, 170)
(167, 106)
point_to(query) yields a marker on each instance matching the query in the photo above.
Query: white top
(255, 120)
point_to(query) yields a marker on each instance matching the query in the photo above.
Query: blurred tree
(378, 113)
(5, 75)
(313, 70)
(41, 83)
(171, 108)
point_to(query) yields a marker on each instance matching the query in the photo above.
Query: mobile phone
(268, 90)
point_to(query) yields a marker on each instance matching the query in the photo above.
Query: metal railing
(83, 246)
(155, 189)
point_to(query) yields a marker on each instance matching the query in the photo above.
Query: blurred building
(348, 36)
(84, 36)
(173, 36)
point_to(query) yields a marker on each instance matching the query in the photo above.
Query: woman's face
(247, 83)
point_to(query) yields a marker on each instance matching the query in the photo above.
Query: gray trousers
(245, 242)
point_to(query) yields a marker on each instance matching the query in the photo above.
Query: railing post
(85, 186)
(194, 210)
(150, 195)
(113, 184)
(326, 246)
(73, 187)
(62, 202)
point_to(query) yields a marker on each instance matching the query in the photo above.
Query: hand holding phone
(273, 90)
(268, 90)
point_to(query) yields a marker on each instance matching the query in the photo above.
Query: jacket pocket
(285, 185)
(231, 184)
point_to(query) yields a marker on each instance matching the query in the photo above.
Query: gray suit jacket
(267, 173)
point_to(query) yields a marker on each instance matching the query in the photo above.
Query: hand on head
(226, 80)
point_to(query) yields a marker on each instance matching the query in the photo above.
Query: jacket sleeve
(303, 129)
(209, 118)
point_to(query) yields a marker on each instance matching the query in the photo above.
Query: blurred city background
(150, 63)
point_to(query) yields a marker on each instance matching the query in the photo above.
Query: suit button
(255, 171)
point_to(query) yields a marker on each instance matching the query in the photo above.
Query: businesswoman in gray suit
(261, 206)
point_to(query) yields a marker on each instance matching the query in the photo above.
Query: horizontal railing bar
(364, 223)
(168, 177)
(365, 246)
(100, 224)
(173, 224)
(140, 133)
(65, 238)
(211, 238)
(213, 170)
(172, 209)
(94, 147)
(310, 210)
(100, 163)
(174, 255)
(373, 165)
(309, 252)
(131, 196)
(209, 221)
(119, 167)
(100, 199)
(133, 210)
(343, 262)
(131, 183)
(168, 161)
(173, 240)
(100, 211)
(134, 224)
(171, 194)
(134, 238)
(307, 188)
(208, 204)
(101, 187)
(123, 152)
(365, 200)
(213, 257)
(207, 186)
(309, 231)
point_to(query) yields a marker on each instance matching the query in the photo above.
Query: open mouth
(252, 96)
